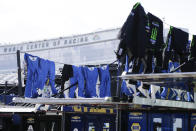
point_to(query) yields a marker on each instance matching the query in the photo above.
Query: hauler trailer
(138, 114)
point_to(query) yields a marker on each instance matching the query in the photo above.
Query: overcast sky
(30, 20)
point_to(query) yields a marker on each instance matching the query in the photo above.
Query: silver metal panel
(164, 103)
(103, 102)
(64, 101)
(163, 79)
(159, 75)
(11, 78)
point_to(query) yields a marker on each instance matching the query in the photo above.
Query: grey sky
(30, 20)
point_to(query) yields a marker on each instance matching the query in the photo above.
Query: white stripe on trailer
(103, 102)
(159, 75)
(15, 109)
(65, 101)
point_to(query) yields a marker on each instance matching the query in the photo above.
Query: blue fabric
(165, 89)
(173, 95)
(91, 75)
(173, 65)
(164, 93)
(32, 75)
(78, 76)
(158, 95)
(124, 85)
(141, 70)
(170, 95)
(16, 118)
(189, 96)
(38, 72)
(186, 96)
(124, 88)
(104, 77)
(138, 91)
(47, 71)
(6, 99)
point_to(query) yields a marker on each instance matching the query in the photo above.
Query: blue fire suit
(47, 71)
(32, 75)
(91, 75)
(104, 88)
(38, 72)
(78, 76)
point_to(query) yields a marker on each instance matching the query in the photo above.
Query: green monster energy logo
(135, 6)
(170, 30)
(154, 34)
(192, 42)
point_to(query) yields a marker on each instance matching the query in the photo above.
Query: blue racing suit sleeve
(80, 82)
(91, 75)
(77, 77)
(104, 88)
(108, 91)
(52, 76)
(32, 75)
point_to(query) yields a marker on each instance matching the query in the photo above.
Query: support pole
(63, 121)
(118, 81)
(118, 92)
(5, 92)
(19, 74)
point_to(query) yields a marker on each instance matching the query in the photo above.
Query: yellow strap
(168, 93)
(47, 83)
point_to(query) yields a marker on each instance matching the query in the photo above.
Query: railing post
(19, 74)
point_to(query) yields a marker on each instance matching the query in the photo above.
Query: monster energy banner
(153, 36)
